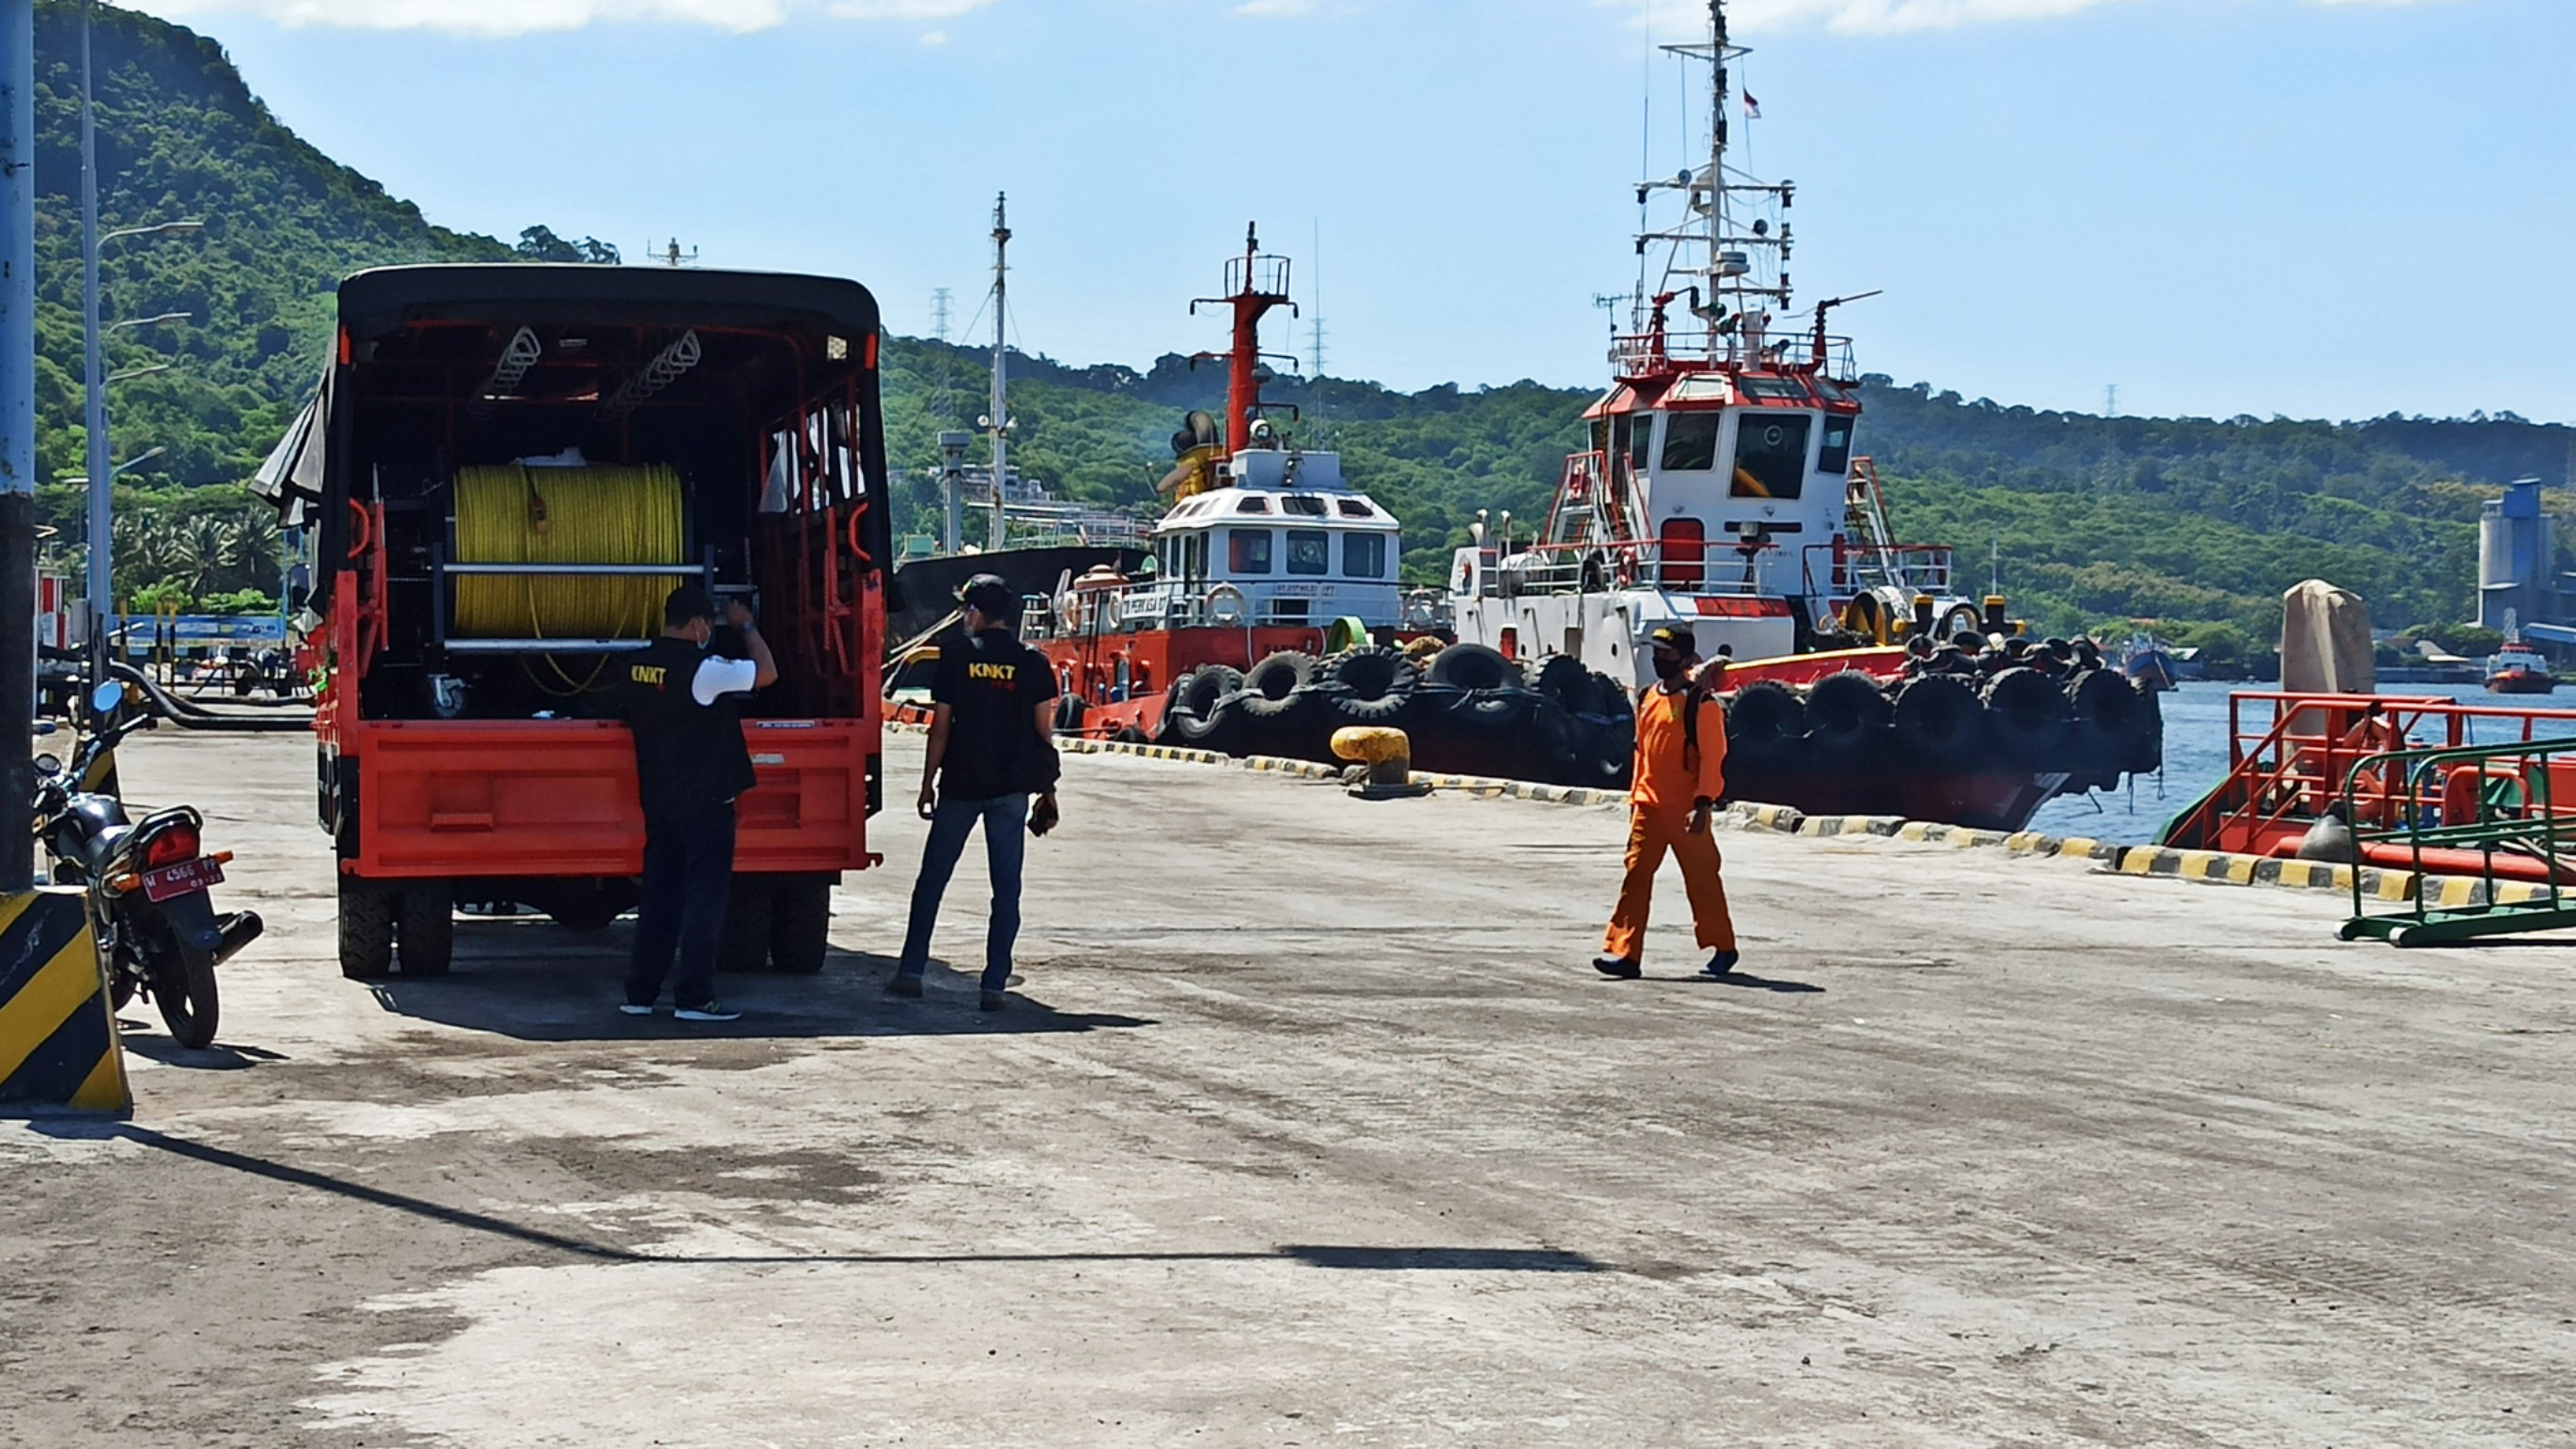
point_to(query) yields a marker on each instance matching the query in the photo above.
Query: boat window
(1683, 545)
(1690, 442)
(1305, 503)
(1641, 440)
(1310, 551)
(1194, 557)
(1247, 550)
(1253, 504)
(1354, 508)
(1770, 457)
(1835, 454)
(1364, 555)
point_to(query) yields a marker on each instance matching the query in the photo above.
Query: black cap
(1675, 637)
(687, 602)
(991, 596)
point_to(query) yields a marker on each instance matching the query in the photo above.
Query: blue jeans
(688, 883)
(1006, 842)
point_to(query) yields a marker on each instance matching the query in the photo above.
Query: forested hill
(2094, 520)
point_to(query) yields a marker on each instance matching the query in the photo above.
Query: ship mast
(1254, 285)
(998, 420)
(1730, 262)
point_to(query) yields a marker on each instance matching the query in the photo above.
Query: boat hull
(2517, 682)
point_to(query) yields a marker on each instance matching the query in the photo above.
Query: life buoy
(1867, 617)
(1223, 594)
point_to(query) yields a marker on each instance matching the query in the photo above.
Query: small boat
(2149, 663)
(2517, 668)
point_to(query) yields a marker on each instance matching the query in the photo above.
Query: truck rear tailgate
(557, 797)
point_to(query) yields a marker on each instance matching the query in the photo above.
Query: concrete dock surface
(1311, 1125)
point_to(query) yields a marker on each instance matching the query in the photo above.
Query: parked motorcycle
(157, 930)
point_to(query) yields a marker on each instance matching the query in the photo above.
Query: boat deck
(1314, 1127)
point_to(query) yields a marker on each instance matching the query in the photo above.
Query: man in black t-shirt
(690, 764)
(991, 748)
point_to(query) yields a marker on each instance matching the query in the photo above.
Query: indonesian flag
(1752, 107)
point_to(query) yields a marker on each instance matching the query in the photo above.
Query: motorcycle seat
(102, 847)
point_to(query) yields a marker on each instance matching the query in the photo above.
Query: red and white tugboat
(1721, 491)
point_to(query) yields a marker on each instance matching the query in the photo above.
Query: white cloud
(1871, 17)
(522, 17)
(934, 37)
(1276, 7)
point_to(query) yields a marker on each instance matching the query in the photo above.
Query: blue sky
(2323, 208)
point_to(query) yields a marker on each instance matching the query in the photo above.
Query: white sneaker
(631, 1009)
(712, 1011)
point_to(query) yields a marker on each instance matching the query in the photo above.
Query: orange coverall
(1666, 784)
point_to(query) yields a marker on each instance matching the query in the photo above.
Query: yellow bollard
(1389, 757)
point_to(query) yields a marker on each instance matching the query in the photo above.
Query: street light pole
(94, 376)
(17, 433)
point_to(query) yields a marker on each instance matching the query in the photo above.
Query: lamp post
(95, 370)
(17, 430)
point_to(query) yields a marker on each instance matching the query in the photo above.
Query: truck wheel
(744, 946)
(425, 923)
(800, 923)
(590, 905)
(366, 930)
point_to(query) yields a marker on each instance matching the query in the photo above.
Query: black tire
(1938, 720)
(1847, 714)
(1561, 680)
(1217, 730)
(366, 930)
(800, 923)
(2027, 719)
(1764, 723)
(1491, 709)
(183, 987)
(1277, 686)
(2146, 751)
(1369, 686)
(1069, 710)
(1474, 668)
(1200, 691)
(425, 928)
(744, 944)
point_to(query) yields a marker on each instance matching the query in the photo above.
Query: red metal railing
(2293, 756)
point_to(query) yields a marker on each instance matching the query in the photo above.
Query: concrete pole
(102, 481)
(17, 435)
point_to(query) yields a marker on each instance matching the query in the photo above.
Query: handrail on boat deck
(2300, 762)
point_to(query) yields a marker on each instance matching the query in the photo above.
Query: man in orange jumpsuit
(1678, 773)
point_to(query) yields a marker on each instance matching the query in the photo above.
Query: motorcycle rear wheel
(183, 987)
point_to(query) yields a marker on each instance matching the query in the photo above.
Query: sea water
(2196, 757)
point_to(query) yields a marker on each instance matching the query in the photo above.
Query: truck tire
(800, 923)
(366, 930)
(744, 946)
(425, 928)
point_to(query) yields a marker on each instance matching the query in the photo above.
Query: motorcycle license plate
(174, 880)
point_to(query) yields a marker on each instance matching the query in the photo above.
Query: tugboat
(2516, 667)
(1721, 491)
(1267, 611)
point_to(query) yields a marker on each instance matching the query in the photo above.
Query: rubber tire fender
(1939, 720)
(1764, 723)
(2026, 715)
(1369, 686)
(1475, 668)
(1276, 685)
(1561, 680)
(1847, 713)
(1200, 691)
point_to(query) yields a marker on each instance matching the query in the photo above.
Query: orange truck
(504, 470)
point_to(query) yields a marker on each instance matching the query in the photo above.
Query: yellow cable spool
(593, 515)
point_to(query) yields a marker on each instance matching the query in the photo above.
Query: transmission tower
(943, 404)
(2111, 400)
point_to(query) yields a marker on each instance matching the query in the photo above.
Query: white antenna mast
(1732, 272)
(998, 422)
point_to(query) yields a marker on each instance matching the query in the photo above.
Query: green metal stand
(2515, 819)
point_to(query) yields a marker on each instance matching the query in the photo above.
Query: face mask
(1667, 666)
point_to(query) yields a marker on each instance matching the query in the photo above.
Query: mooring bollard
(1387, 753)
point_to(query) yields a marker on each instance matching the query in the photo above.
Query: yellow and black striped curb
(2216, 867)
(58, 1043)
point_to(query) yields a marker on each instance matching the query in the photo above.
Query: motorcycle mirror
(105, 698)
(46, 727)
(48, 765)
